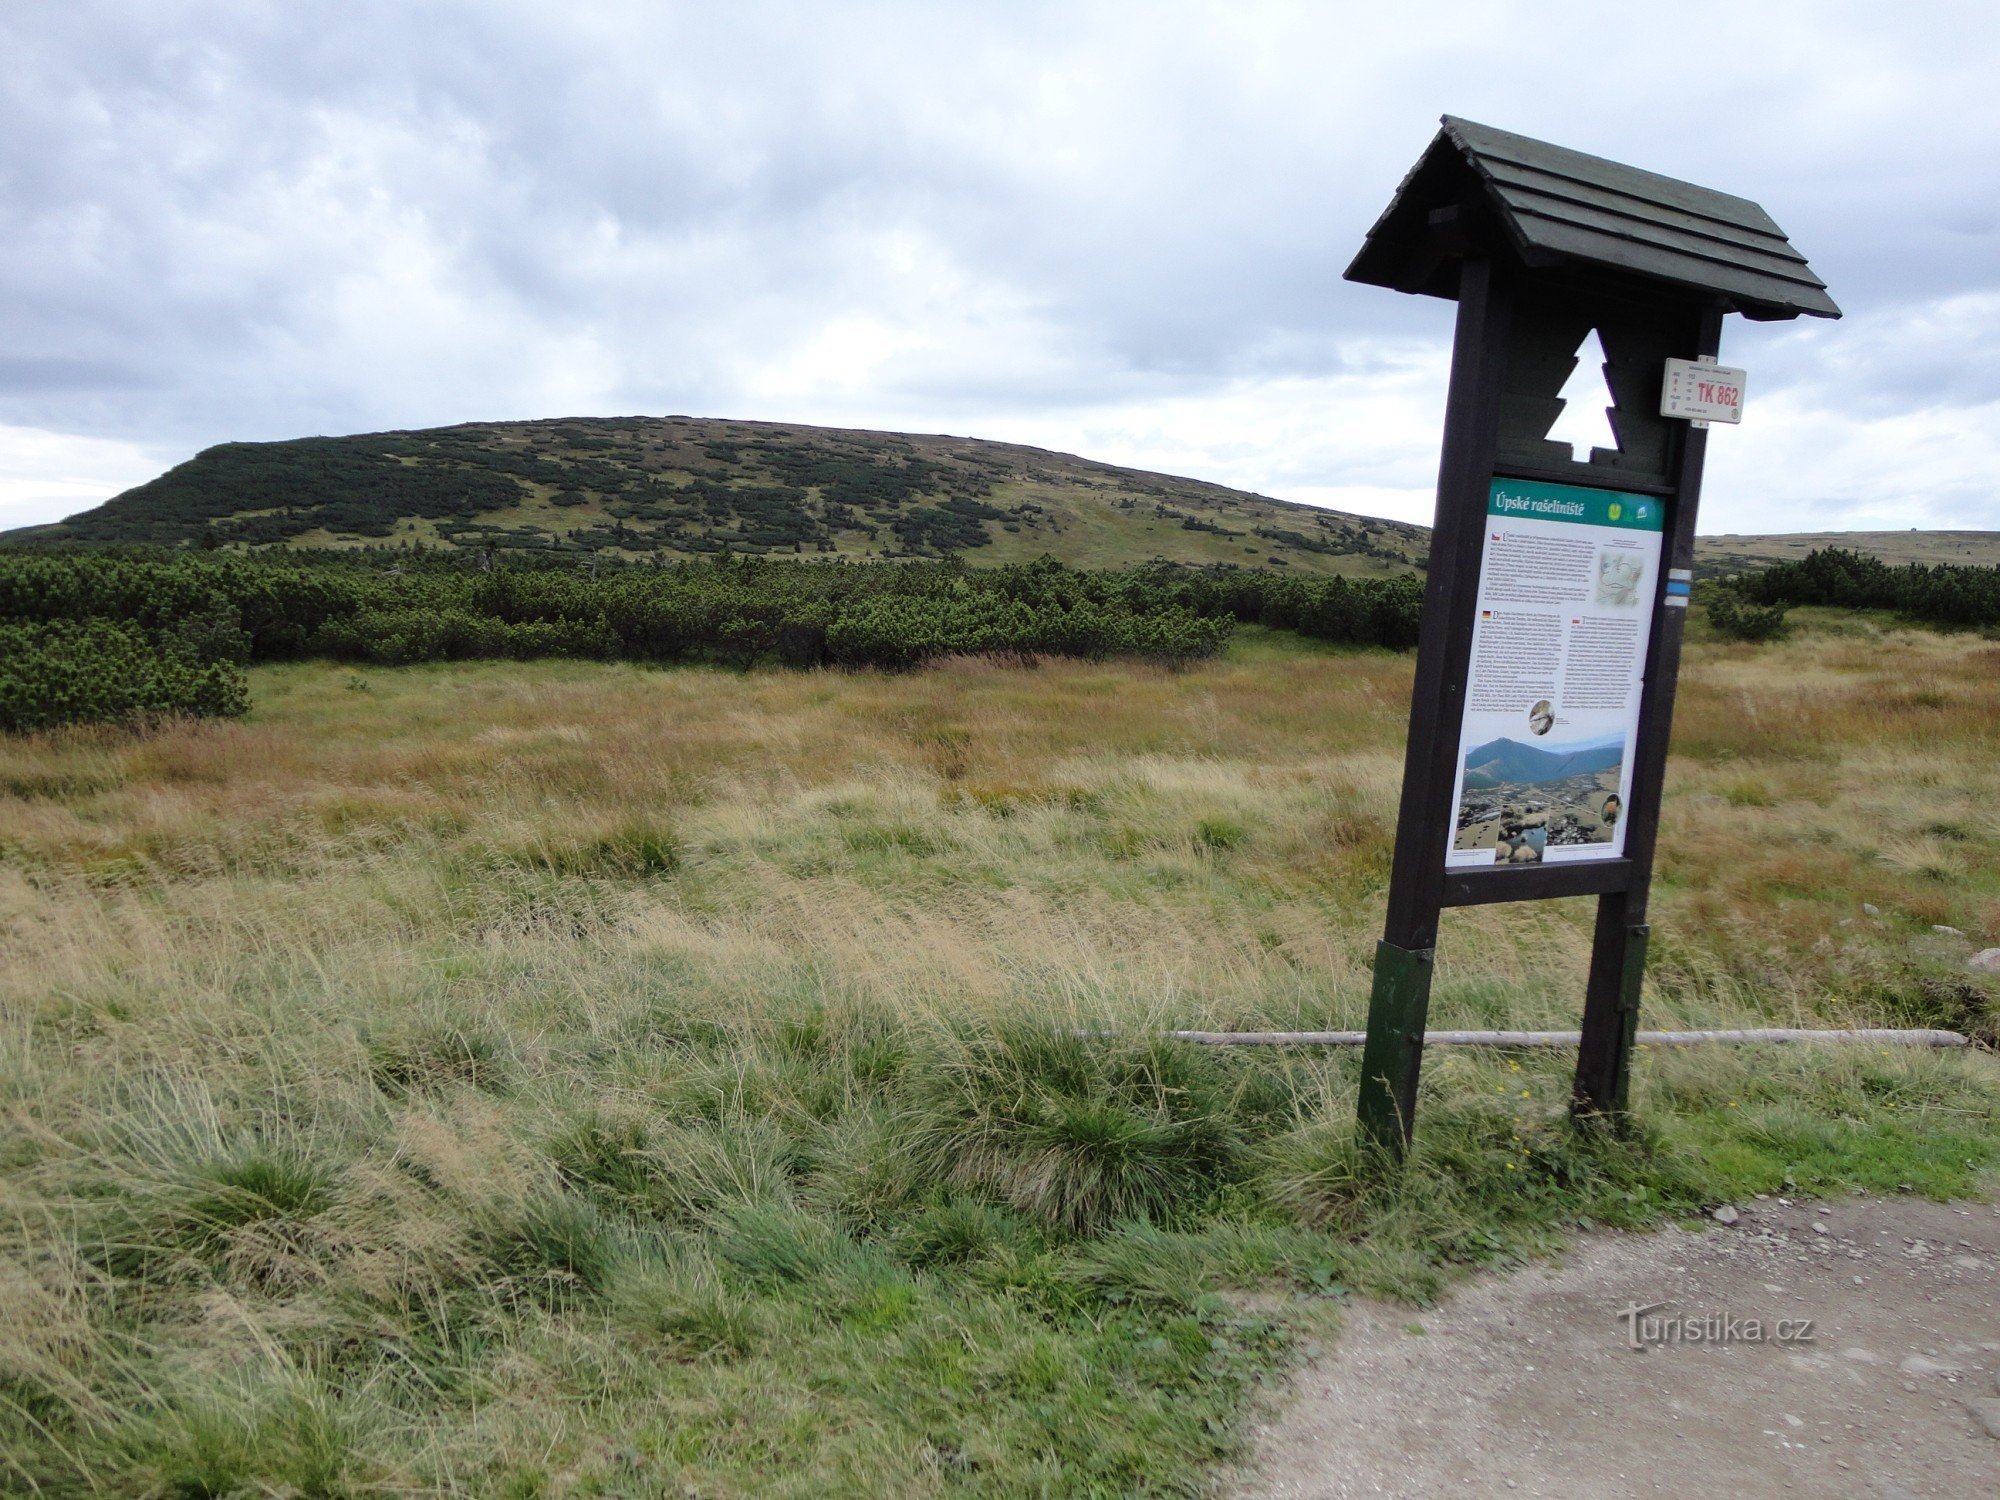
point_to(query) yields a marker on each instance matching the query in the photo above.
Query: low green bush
(404, 636)
(1949, 594)
(107, 671)
(1738, 620)
(196, 616)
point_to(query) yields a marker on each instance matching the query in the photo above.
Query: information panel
(1567, 581)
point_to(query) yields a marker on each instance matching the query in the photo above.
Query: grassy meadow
(564, 1078)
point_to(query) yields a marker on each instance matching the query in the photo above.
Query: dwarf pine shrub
(1739, 620)
(107, 671)
(100, 636)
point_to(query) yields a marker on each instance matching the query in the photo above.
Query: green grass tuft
(1078, 1132)
(435, 1056)
(554, 1248)
(256, 1183)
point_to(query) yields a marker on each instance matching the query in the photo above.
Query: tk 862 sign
(1702, 392)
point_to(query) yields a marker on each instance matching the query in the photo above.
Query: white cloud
(44, 475)
(1815, 469)
(1375, 427)
(1887, 419)
(1114, 227)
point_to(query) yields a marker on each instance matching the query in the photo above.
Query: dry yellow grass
(321, 934)
(1214, 840)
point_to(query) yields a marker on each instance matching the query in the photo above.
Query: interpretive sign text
(1567, 581)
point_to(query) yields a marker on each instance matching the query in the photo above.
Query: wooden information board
(1558, 579)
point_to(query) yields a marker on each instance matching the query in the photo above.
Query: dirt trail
(1526, 1383)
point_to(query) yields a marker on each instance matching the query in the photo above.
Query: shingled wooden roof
(1558, 206)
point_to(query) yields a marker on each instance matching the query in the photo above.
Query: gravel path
(1527, 1384)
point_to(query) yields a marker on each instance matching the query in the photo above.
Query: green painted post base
(1394, 1051)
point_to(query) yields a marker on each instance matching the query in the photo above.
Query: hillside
(1732, 554)
(681, 486)
(687, 487)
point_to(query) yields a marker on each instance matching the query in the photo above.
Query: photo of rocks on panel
(1520, 799)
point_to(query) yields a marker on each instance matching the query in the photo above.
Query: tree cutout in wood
(1587, 404)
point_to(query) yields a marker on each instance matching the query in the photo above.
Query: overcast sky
(1113, 229)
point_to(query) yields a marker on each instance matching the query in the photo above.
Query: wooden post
(1400, 1000)
(1610, 1011)
(1618, 949)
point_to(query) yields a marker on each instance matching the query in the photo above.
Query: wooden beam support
(1536, 882)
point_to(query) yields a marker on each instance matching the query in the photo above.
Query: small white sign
(1702, 391)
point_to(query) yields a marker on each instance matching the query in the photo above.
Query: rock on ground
(1526, 1384)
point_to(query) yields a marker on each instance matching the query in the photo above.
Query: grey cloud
(54, 373)
(256, 220)
(1887, 358)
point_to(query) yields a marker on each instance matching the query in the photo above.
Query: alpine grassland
(582, 1077)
